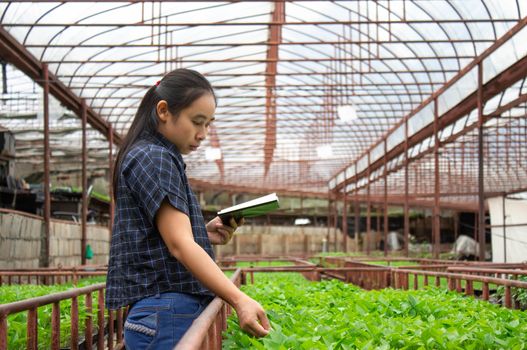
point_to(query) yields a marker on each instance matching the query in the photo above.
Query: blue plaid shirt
(140, 263)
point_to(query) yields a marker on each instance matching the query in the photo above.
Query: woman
(161, 259)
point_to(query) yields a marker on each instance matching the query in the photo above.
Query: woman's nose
(202, 135)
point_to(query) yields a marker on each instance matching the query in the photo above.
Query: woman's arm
(176, 231)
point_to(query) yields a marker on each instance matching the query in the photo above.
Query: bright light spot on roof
(347, 113)
(324, 151)
(212, 153)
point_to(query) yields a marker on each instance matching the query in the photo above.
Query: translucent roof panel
(281, 70)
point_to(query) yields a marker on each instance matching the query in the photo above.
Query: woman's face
(191, 127)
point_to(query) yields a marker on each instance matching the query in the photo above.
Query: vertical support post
(368, 214)
(345, 222)
(378, 211)
(357, 220)
(385, 209)
(47, 155)
(436, 230)
(88, 329)
(84, 216)
(406, 224)
(456, 225)
(476, 226)
(357, 213)
(110, 175)
(481, 189)
(504, 231)
(32, 330)
(335, 225)
(328, 221)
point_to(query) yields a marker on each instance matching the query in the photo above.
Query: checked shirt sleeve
(152, 175)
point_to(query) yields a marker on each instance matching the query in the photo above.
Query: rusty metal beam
(436, 230)
(267, 60)
(200, 185)
(84, 209)
(406, 225)
(262, 43)
(275, 21)
(418, 203)
(481, 173)
(12, 51)
(47, 155)
(275, 35)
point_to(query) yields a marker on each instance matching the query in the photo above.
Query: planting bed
(335, 315)
(310, 307)
(17, 323)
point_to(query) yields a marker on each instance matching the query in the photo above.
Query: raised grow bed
(332, 314)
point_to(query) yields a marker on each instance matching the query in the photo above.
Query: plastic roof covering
(382, 57)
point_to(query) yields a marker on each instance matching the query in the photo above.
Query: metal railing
(48, 276)
(206, 331)
(104, 329)
(466, 283)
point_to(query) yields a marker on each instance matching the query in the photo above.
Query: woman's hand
(220, 233)
(251, 316)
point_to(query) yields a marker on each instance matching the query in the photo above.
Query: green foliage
(335, 315)
(17, 323)
(519, 294)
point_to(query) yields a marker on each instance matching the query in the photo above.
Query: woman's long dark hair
(179, 88)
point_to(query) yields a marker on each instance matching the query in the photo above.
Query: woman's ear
(162, 110)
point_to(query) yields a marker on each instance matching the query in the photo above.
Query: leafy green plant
(17, 323)
(335, 315)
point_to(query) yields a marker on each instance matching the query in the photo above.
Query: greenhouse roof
(310, 93)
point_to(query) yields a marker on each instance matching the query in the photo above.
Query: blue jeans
(159, 322)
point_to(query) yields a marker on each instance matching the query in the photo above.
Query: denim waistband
(172, 295)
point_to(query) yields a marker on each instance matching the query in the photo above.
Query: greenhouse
(375, 149)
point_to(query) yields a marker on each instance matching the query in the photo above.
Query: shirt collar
(160, 140)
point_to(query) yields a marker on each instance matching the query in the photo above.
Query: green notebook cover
(255, 207)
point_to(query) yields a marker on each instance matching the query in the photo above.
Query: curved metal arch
(5, 12)
(146, 66)
(327, 67)
(386, 48)
(153, 65)
(38, 20)
(137, 39)
(490, 17)
(65, 28)
(446, 34)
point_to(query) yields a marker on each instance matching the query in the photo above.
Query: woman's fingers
(226, 234)
(256, 329)
(264, 321)
(233, 224)
(252, 318)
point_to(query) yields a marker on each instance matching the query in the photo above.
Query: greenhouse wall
(21, 239)
(65, 246)
(276, 240)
